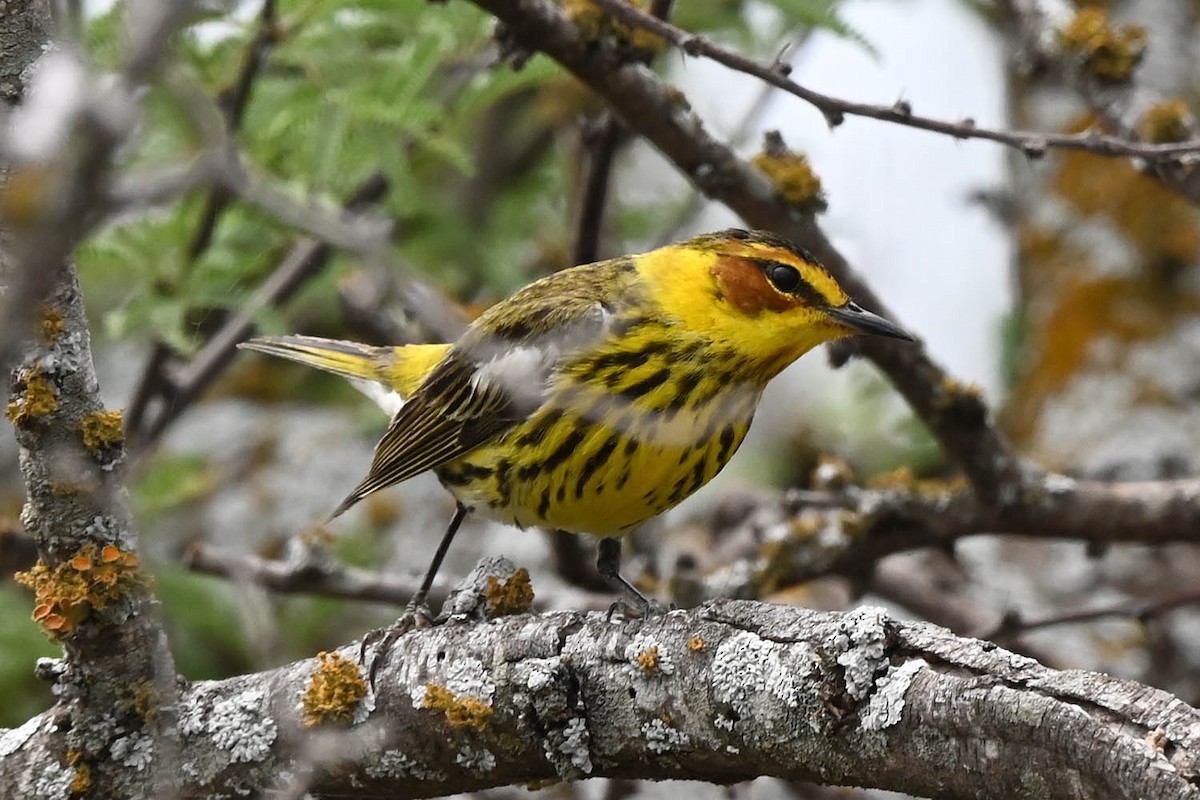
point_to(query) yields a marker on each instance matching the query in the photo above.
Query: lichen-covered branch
(723, 693)
(91, 592)
(847, 529)
(1098, 57)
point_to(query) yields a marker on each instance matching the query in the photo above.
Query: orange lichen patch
(102, 430)
(34, 397)
(596, 23)
(513, 596)
(1168, 121)
(460, 711)
(91, 580)
(648, 660)
(793, 177)
(695, 644)
(333, 691)
(1108, 52)
(52, 325)
(82, 782)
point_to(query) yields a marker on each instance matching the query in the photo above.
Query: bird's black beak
(860, 320)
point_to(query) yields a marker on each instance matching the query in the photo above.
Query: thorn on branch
(903, 108)
(693, 45)
(1034, 149)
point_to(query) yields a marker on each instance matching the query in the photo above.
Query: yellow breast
(617, 442)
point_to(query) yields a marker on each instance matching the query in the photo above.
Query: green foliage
(21, 643)
(477, 154)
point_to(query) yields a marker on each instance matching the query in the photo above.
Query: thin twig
(1014, 624)
(835, 109)
(600, 140)
(153, 383)
(307, 258)
(287, 578)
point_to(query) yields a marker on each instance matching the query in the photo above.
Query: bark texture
(723, 693)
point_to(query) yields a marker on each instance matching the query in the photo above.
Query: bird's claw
(416, 615)
(628, 607)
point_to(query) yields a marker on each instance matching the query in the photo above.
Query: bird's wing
(489, 382)
(450, 414)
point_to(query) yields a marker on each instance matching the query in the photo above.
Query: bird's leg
(417, 604)
(416, 613)
(608, 564)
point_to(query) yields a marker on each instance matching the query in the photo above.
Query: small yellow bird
(602, 395)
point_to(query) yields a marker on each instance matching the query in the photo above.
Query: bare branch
(835, 109)
(848, 530)
(178, 390)
(327, 580)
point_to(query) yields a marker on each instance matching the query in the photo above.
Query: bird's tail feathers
(348, 359)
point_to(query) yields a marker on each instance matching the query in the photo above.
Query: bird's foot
(381, 640)
(641, 608)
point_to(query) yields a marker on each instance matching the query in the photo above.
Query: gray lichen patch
(757, 678)
(574, 746)
(240, 726)
(887, 703)
(394, 764)
(477, 760)
(13, 739)
(860, 644)
(662, 737)
(548, 707)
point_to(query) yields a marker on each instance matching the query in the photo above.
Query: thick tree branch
(91, 593)
(847, 530)
(723, 693)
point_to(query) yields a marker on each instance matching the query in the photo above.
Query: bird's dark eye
(786, 279)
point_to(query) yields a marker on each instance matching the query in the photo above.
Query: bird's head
(758, 294)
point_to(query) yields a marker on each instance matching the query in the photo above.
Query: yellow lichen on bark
(790, 173)
(596, 23)
(1108, 52)
(513, 596)
(333, 691)
(52, 325)
(102, 430)
(33, 397)
(460, 711)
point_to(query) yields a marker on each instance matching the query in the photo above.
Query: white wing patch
(387, 399)
(522, 372)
